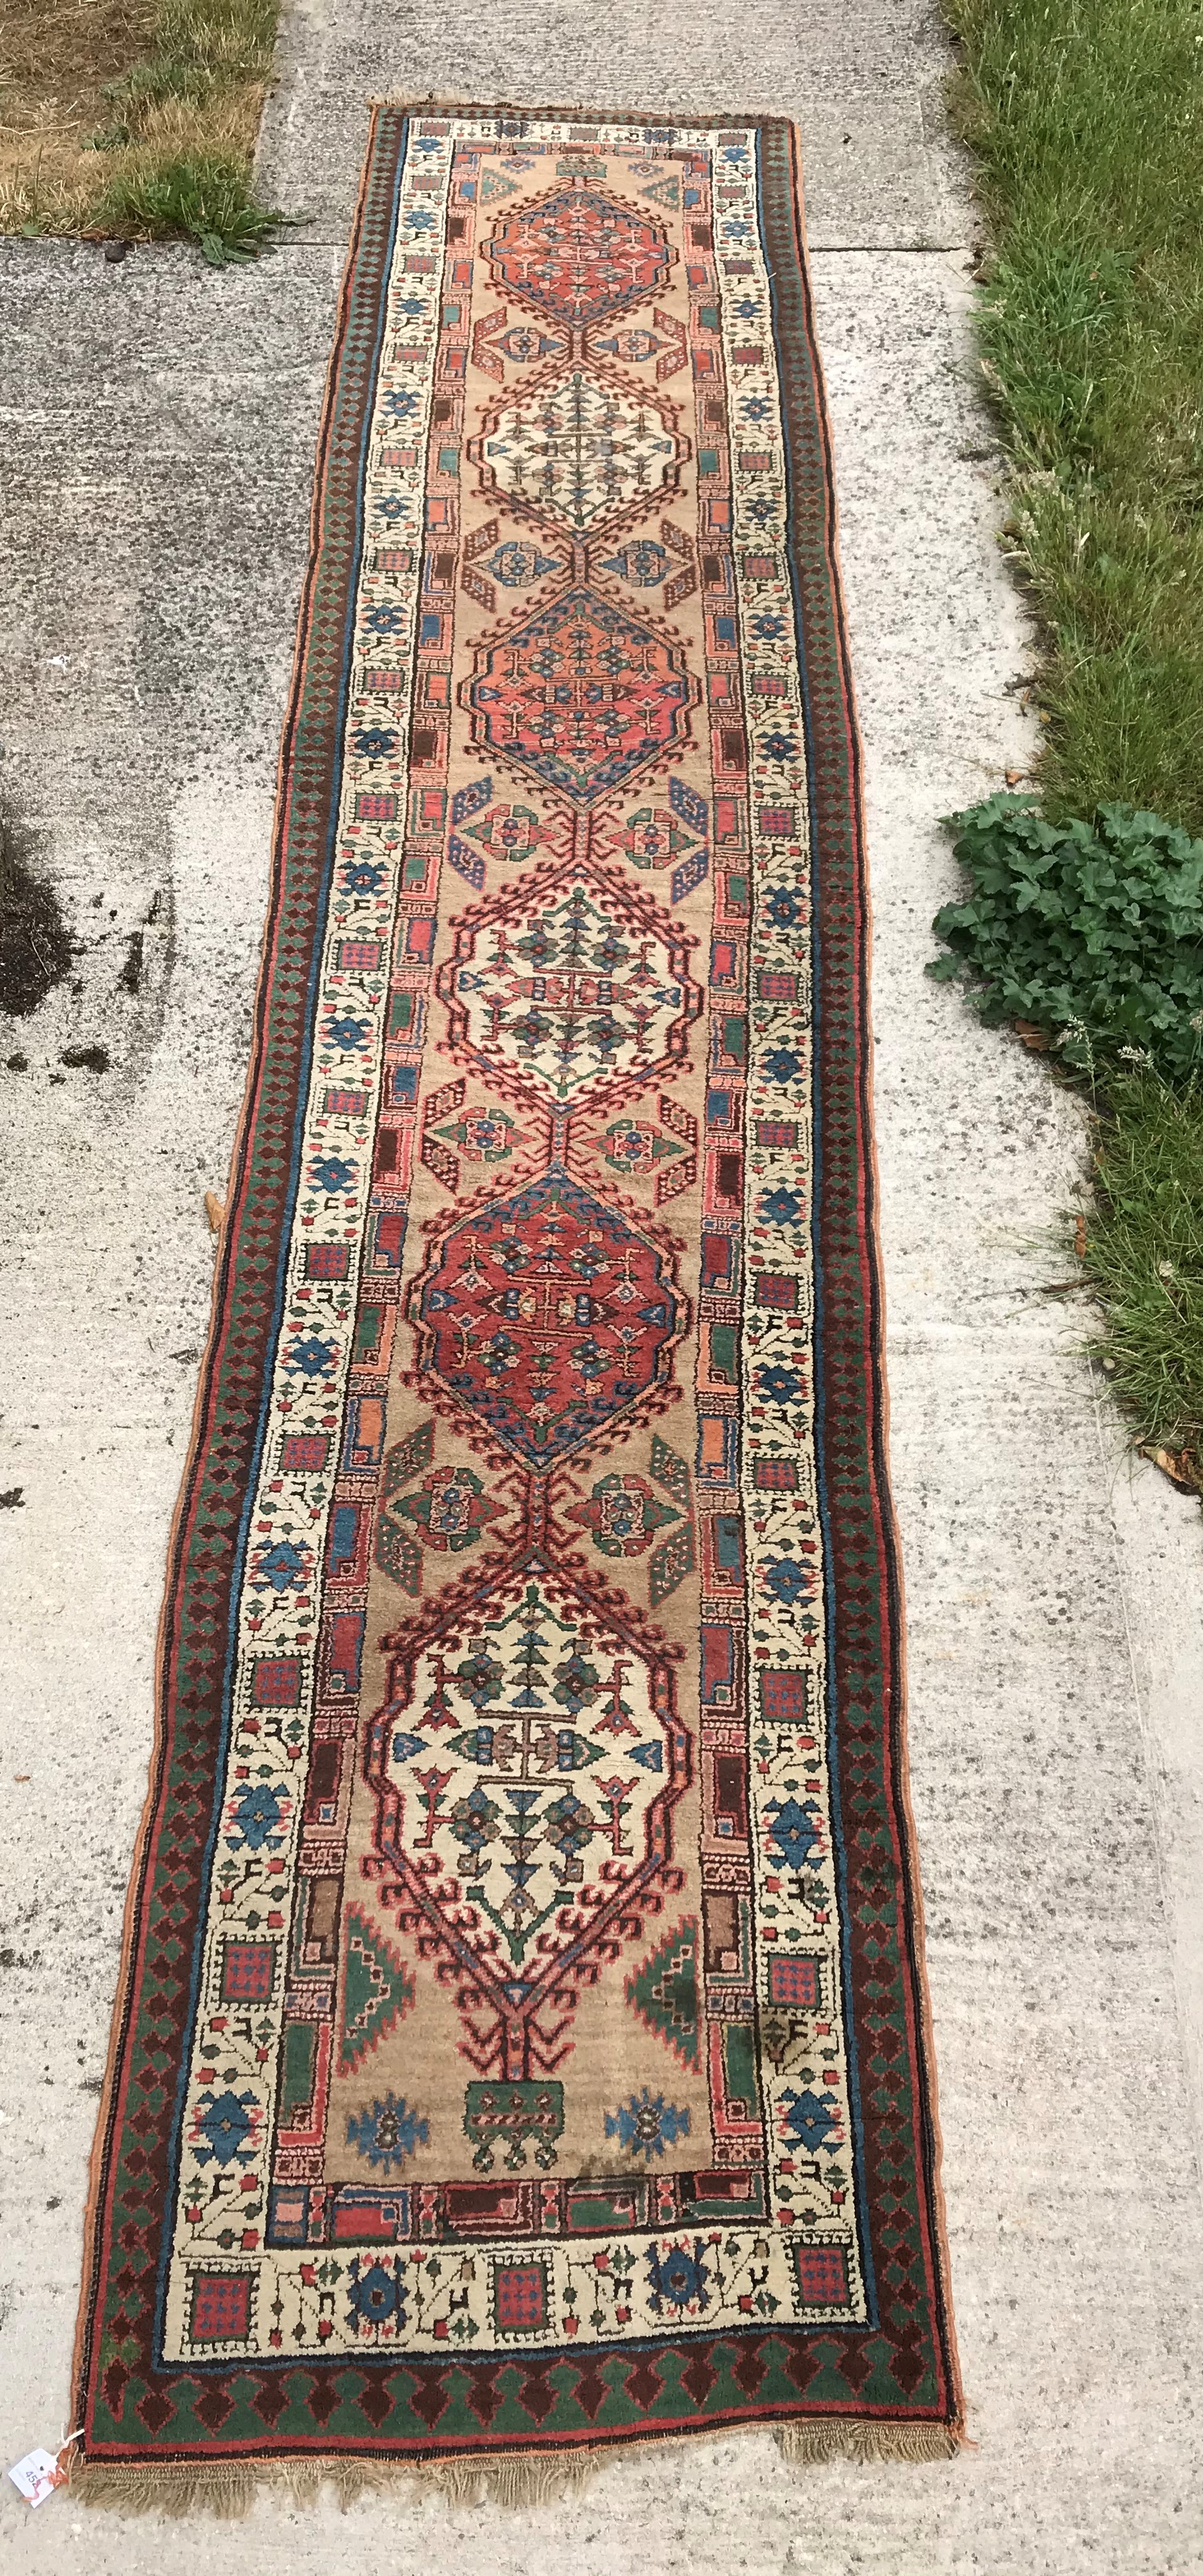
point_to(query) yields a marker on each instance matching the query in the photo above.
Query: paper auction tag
(37, 2475)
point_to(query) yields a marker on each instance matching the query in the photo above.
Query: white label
(37, 2475)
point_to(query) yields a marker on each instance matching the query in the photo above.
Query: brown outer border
(869, 2424)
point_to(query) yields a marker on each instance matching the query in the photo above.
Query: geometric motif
(547, 1315)
(580, 696)
(577, 451)
(578, 255)
(583, 986)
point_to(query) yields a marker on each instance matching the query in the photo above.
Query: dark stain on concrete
(35, 946)
(89, 1059)
(13, 1500)
(130, 978)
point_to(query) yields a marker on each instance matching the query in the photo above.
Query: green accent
(369, 1333)
(377, 1989)
(670, 1565)
(408, 1458)
(397, 1554)
(670, 1470)
(516, 2116)
(724, 1353)
(739, 2067)
(300, 2059)
(664, 1992)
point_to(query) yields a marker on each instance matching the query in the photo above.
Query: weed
(203, 196)
(1091, 932)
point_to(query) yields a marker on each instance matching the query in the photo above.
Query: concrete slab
(160, 423)
(864, 85)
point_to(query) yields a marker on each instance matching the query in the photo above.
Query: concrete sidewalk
(160, 420)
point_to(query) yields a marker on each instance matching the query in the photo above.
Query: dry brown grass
(168, 84)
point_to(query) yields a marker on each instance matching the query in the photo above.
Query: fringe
(516, 2479)
(228, 2488)
(852, 2437)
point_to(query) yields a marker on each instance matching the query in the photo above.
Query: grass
(1144, 1256)
(1085, 118)
(135, 119)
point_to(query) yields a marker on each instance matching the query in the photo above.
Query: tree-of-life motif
(525, 1768)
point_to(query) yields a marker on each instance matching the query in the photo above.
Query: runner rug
(522, 2042)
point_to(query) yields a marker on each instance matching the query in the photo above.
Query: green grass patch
(1086, 121)
(205, 196)
(1144, 1256)
(1085, 118)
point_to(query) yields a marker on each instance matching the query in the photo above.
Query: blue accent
(310, 1017)
(839, 1849)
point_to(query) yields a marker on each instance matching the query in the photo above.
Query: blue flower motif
(331, 1172)
(419, 220)
(793, 1831)
(781, 1207)
(311, 1357)
(747, 308)
(412, 305)
(257, 1813)
(735, 153)
(779, 747)
(376, 2296)
(679, 2276)
(392, 507)
(761, 509)
(782, 908)
(385, 621)
(736, 228)
(282, 1565)
(809, 2119)
(401, 405)
(768, 626)
(362, 878)
(779, 1384)
(647, 2124)
(782, 1064)
(388, 2133)
(346, 1033)
(225, 2124)
(374, 741)
(786, 1581)
(754, 407)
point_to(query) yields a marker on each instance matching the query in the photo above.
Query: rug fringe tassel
(228, 2489)
(850, 2437)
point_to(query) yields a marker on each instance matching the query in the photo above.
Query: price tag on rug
(37, 2475)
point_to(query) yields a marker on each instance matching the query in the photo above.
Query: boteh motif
(522, 2042)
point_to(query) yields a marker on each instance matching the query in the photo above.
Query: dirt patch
(35, 947)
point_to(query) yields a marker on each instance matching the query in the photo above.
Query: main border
(130, 2175)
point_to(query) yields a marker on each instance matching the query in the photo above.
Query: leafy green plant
(1089, 932)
